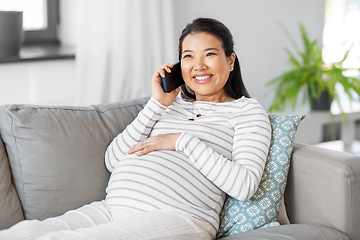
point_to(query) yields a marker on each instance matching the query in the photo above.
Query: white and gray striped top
(223, 151)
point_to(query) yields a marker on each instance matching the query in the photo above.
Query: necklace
(199, 114)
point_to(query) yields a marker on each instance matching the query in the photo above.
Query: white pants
(94, 221)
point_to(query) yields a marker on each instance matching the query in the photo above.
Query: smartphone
(174, 79)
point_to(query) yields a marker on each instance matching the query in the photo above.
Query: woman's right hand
(166, 99)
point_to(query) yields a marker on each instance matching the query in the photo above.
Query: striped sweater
(222, 152)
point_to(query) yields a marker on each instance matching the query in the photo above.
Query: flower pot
(11, 33)
(323, 103)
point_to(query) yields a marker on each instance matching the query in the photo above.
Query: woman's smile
(202, 78)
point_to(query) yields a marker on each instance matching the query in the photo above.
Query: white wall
(43, 82)
(255, 25)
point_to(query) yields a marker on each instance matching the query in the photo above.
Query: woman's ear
(232, 61)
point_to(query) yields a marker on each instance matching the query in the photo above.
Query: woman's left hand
(156, 143)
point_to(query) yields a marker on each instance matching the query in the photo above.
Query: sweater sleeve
(136, 132)
(240, 176)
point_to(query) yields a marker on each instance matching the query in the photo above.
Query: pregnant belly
(162, 180)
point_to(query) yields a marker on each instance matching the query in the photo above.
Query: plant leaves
(310, 72)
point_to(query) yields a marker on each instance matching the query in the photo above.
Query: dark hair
(234, 86)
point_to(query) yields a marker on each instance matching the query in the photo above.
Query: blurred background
(96, 51)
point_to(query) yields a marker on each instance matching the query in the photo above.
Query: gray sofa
(52, 160)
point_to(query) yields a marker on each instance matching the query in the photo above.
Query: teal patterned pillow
(262, 210)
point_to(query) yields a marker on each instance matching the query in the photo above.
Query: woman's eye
(187, 56)
(210, 54)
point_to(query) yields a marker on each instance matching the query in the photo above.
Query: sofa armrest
(323, 188)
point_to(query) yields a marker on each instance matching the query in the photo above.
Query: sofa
(52, 161)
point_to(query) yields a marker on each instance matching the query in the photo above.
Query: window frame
(50, 34)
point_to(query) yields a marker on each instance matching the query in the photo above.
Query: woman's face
(205, 67)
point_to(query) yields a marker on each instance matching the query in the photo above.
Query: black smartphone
(174, 79)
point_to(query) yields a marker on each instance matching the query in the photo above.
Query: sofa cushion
(57, 153)
(262, 210)
(290, 232)
(10, 207)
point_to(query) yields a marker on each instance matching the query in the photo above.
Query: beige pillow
(283, 218)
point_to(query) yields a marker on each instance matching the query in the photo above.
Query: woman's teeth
(203, 77)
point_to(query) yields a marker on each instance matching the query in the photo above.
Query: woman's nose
(199, 65)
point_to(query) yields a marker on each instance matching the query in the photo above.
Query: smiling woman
(220, 42)
(170, 176)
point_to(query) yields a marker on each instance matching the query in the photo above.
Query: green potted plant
(309, 72)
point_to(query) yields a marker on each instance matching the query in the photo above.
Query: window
(40, 19)
(341, 31)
